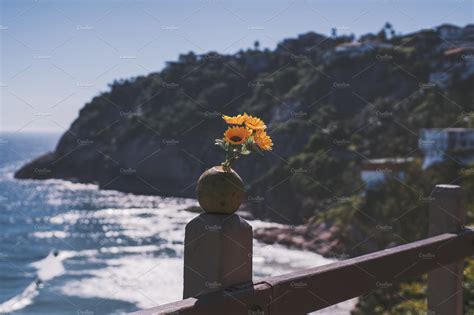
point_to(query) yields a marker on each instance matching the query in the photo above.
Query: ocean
(68, 248)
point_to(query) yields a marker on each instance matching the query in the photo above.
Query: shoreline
(317, 239)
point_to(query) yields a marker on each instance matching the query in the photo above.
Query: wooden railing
(313, 289)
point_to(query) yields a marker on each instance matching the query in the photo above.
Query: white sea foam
(21, 300)
(47, 269)
(51, 266)
(50, 234)
(144, 280)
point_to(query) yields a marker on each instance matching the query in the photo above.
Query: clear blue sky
(57, 55)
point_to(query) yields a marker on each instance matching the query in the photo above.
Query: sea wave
(48, 268)
(21, 300)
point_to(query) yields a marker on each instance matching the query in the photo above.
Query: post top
(217, 222)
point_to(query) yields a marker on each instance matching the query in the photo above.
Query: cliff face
(154, 134)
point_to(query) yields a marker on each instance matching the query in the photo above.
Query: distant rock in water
(323, 99)
(194, 209)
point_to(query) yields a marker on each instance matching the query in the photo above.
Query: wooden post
(217, 253)
(447, 215)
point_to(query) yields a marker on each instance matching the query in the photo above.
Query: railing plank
(317, 288)
(313, 289)
(251, 299)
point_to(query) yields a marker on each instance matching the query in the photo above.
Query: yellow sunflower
(263, 140)
(254, 123)
(235, 120)
(236, 135)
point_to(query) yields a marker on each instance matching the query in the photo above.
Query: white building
(449, 32)
(376, 171)
(451, 143)
(356, 48)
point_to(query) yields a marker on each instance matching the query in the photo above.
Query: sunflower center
(236, 138)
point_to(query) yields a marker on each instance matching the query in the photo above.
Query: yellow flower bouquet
(245, 135)
(220, 189)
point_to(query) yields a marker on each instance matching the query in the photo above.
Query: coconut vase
(220, 191)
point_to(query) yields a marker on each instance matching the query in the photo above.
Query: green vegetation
(393, 214)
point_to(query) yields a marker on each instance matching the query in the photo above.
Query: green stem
(230, 159)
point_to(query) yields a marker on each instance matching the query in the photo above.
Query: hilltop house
(455, 37)
(449, 31)
(451, 143)
(458, 61)
(357, 48)
(376, 171)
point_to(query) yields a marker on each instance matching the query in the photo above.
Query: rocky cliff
(329, 103)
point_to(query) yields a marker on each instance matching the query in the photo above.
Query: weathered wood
(316, 288)
(252, 299)
(217, 253)
(447, 214)
(331, 284)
